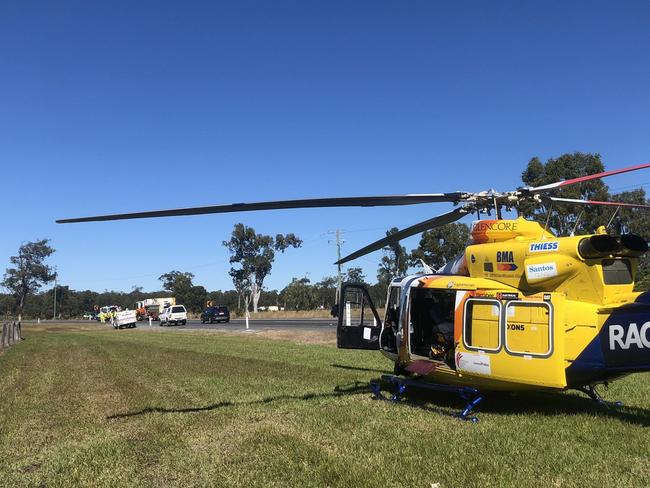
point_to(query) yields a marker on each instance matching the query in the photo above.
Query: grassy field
(83, 406)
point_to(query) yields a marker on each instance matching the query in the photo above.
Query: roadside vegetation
(83, 406)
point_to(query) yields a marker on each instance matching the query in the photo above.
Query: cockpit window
(617, 271)
(392, 307)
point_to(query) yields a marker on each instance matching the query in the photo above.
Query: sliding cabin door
(513, 340)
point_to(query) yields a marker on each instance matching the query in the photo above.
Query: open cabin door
(359, 325)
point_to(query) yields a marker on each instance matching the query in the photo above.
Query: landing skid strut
(590, 390)
(471, 396)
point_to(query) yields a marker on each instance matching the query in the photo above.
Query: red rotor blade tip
(573, 181)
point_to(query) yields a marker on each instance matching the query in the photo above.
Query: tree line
(252, 255)
(300, 294)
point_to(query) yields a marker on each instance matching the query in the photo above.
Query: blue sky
(127, 106)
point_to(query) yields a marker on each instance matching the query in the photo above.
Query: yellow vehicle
(520, 309)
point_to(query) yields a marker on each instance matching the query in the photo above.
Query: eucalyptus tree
(29, 272)
(252, 256)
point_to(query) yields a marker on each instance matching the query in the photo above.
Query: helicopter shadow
(534, 403)
(355, 388)
(357, 368)
(443, 403)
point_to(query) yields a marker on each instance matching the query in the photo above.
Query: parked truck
(151, 307)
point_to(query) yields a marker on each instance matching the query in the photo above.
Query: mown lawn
(151, 408)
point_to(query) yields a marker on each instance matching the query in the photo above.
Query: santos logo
(539, 271)
(543, 246)
(639, 337)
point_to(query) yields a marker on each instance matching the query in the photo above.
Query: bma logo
(505, 257)
(544, 246)
(639, 337)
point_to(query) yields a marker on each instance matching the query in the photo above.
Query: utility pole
(55, 276)
(339, 275)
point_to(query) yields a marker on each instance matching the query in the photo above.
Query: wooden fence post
(5, 334)
(2, 337)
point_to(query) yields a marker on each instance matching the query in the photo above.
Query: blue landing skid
(590, 390)
(470, 395)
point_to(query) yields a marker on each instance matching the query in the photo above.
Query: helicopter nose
(622, 346)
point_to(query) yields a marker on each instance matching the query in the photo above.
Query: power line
(633, 186)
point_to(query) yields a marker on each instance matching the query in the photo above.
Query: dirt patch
(301, 336)
(64, 326)
(298, 336)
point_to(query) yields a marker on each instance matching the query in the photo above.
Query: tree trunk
(246, 304)
(21, 304)
(256, 292)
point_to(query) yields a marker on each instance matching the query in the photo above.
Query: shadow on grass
(356, 368)
(533, 403)
(355, 388)
(445, 403)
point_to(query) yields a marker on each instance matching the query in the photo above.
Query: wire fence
(11, 334)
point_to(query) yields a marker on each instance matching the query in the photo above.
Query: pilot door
(359, 326)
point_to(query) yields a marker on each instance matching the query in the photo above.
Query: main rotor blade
(596, 202)
(581, 179)
(443, 219)
(389, 200)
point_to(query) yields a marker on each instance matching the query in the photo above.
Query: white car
(174, 315)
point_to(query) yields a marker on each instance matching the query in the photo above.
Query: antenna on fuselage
(612, 219)
(427, 269)
(497, 208)
(548, 218)
(573, 232)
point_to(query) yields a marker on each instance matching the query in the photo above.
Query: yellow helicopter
(520, 309)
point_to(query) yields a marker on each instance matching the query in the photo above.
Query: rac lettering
(543, 246)
(639, 337)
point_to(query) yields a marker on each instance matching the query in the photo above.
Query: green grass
(145, 408)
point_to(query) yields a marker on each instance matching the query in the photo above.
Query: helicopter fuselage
(520, 309)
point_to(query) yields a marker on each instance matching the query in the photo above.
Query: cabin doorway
(431, 328)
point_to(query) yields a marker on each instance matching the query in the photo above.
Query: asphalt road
(235, 324)
(261, 324)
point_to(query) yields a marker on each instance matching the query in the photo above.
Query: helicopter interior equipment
(519, 309)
